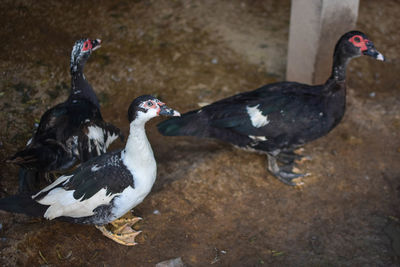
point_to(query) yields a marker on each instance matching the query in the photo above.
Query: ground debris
(42, 257)
(177, 262)
(217, 257)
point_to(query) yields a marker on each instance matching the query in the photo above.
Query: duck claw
(126, 237)
(121, 230)
(287, 173)
(288, 177)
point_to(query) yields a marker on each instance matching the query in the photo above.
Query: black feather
(29, 179)
(22, 204)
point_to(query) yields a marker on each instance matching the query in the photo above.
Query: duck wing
(95, 183)
(270, 111)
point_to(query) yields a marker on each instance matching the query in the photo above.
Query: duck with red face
(104, 188)
(278, 118)
(70, 132)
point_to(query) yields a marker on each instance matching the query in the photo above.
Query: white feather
(95, 168)
(257, 118)
(110, 139)
(61, 179)
(258, 138)
(29, 142)
(63, 203)
(95, 134)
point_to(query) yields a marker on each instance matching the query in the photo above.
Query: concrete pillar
(315, 27)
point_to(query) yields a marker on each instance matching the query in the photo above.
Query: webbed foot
(286, 173)
(126, 237)
(121, 230)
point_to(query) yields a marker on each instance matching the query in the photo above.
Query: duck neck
(138, 154)
(340, 62)
(80, 87)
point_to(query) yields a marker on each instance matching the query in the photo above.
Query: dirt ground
(211, 204)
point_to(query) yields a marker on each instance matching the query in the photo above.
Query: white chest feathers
(144, 174)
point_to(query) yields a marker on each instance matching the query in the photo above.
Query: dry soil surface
(211, 204)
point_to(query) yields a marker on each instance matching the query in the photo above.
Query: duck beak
(380, 57)
(166, 111)
(372, 52)
(96, 44)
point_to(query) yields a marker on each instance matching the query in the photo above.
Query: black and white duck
(69, 132)
(104, 188)
(278, 118)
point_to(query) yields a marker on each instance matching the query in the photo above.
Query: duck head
(81, 52)
(146, 107)
(355, 43)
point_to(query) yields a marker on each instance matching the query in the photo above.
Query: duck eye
(149, 103)
(357, 39)
(87, 45)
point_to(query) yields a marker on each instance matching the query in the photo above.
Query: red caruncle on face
(359, 41)
(87, 45)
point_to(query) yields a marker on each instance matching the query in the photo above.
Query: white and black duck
(278, 118)
(69, 132)
(104, 188)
